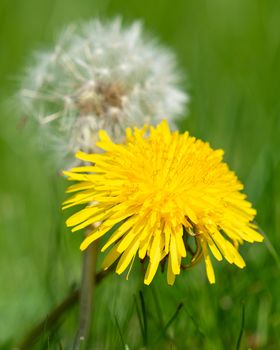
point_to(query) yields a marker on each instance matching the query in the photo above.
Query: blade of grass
(139, 318)
(201, 333)
(270, 248)
(171, 320)
(242, 327)
(157, 305)
(120, 332)
(144, 314)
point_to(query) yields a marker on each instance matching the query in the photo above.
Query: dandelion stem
(87, 296)
(55, 315)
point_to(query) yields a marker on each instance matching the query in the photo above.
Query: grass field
(229, 52)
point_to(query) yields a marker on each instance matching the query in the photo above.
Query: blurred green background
(230, 54)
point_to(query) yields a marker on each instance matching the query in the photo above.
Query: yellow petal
(174, 256)
(101, 216)
(144, 245)
(215, 251)
(81, 215)
(151, 271)
(155, 247)
(180, 243)
(170, 274)
(85, 156)
(119, 232)
(167, 235)
(94, 235)
(85, 169)
(110, 258)
(208, 264)
(79, 187)
(126, 257)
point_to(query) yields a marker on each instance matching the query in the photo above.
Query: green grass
(230, 54)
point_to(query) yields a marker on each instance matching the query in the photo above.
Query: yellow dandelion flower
(154, 193)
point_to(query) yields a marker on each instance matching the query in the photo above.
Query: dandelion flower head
(154, 193)
(101, 76)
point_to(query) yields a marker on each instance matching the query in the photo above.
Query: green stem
(54, 316)
(87, 297)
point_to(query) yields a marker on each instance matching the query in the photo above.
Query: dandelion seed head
(101, 76)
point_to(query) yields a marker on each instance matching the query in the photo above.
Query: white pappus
(100, 76)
